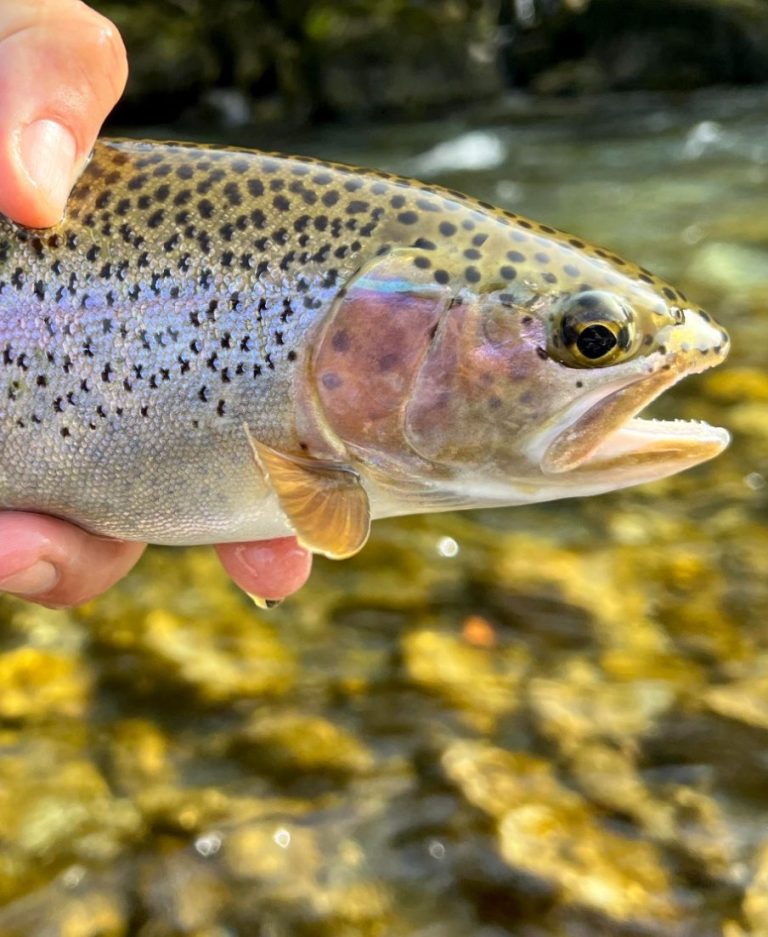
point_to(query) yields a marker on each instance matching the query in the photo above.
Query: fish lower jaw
(653, 448)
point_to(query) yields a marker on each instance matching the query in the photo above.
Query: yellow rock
(70, 906)
(222, 660)
(743, 700)
(756, 896)
(551, 833)
(484, 682)
(284, 855)
(37, 683)
(54, 803)
(737, 385)
(295, 742)
(582, 704)
(678, 816)
(183, 891)
(140, 755)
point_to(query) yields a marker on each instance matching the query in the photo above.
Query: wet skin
(49, 119)
(220, 345)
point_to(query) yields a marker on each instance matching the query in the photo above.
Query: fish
(219, 345)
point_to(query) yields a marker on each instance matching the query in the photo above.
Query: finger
(62, 68)
(55, 563)
(269, 569)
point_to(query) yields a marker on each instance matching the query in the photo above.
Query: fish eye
(592, 329)
(596, 341)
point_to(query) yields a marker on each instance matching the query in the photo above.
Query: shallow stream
(536, 722)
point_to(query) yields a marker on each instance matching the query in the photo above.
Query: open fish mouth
(608, 438)
(659, 447)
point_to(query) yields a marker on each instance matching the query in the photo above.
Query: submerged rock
(551, 834)
(294, 743)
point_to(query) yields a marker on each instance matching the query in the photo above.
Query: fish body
(221, 345)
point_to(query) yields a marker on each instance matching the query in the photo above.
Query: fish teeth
(681, 427)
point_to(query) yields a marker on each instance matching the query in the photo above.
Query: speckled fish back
(171, 306)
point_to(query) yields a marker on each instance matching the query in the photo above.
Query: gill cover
(372, 348)
(474, 391)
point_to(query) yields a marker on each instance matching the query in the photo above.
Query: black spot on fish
(233, 194)
(357, 206)
(331, 381)
(388, 361)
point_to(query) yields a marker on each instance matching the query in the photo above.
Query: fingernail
(265, 604)
(37, 579)
(48, 152)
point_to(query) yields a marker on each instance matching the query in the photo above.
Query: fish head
(534, 392)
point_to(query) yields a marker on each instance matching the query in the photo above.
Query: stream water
(531, 722)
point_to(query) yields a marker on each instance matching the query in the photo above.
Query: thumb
(62, 69)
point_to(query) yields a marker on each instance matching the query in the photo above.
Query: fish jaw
(601, 437)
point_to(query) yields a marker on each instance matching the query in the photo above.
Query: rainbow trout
(219, 345)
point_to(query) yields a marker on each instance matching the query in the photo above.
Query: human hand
(62, 69)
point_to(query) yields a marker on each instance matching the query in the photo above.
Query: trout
(221, 345)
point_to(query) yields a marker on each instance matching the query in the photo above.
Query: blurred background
(535, 722)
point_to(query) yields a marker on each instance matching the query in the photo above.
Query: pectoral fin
(325, 503)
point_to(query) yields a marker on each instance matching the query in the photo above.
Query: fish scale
(176, 308)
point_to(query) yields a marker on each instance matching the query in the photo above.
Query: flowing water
(536, 721)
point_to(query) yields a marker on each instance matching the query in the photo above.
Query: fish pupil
(595, 341)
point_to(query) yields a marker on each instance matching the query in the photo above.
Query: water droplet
(282, 837)
(72, 876)
(208, 845)
(692, 234)
(447, 546)
(704, 137)
(436, 849)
